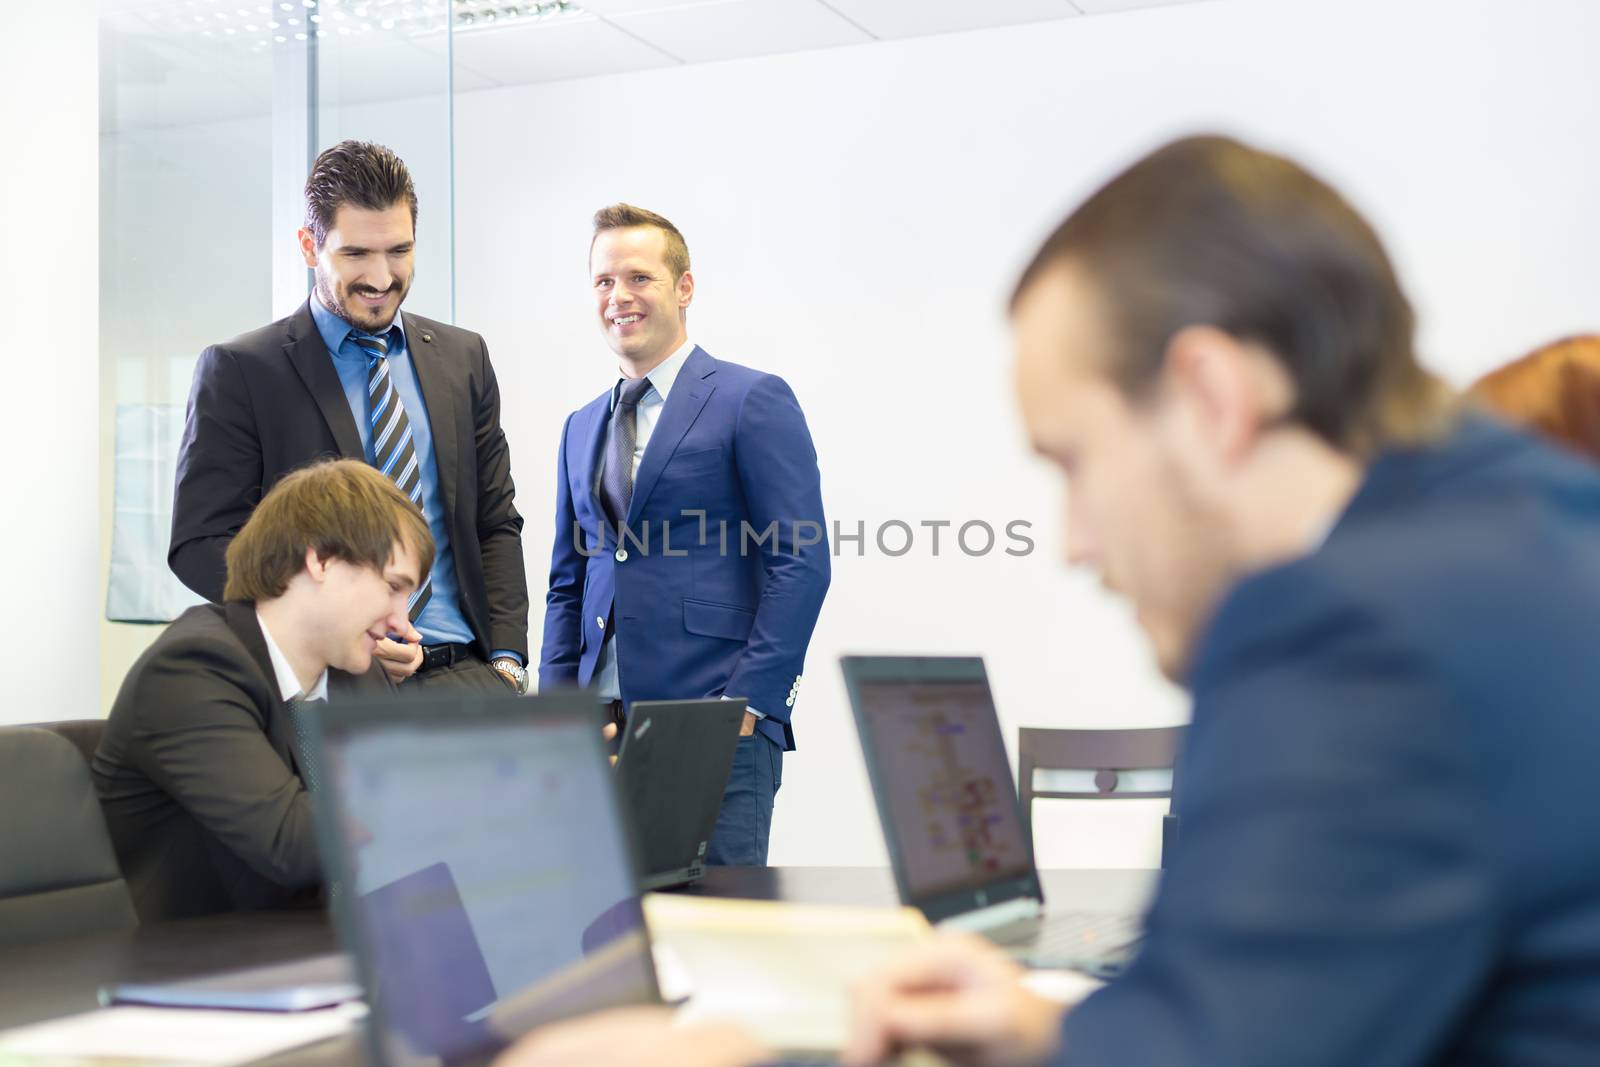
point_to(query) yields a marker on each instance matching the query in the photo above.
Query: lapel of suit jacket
(589, 435)
(440, 390)
(689, 395)
(240, 615)
(309, 354)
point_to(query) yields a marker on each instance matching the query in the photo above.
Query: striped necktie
(393, 451)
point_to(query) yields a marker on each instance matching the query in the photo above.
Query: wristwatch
(513, 672)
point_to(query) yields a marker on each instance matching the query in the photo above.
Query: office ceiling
(183, 61)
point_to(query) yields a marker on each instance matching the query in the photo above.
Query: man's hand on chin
(960, 997)
(630, 1037)
(400, 660)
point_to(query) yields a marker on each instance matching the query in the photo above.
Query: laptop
(673, 768)
(483, 876)
(943, 785)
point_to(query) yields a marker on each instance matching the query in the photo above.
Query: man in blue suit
(1385, 608)
(690, 554)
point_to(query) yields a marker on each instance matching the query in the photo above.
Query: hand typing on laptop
(960, 997)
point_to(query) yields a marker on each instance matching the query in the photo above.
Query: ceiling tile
(572, 47)
(913, 18)
(463, 78)
(607, 8)
(731, 29)
(361, 70)
(1100, 7)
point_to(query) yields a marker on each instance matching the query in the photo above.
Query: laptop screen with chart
(942, 782)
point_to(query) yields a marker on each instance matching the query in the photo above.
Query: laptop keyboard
(1097, 943)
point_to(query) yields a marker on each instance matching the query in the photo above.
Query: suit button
(621, 556)
(790, 702)
(600, 621)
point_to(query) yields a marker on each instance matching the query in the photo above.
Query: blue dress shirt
(441, 621)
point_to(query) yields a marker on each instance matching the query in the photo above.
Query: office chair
(1096, 765)
(83, 733)
(60, 876)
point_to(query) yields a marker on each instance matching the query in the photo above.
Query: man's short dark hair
(1209, 231)
(343, 508)
(626, 216)
(356, 172)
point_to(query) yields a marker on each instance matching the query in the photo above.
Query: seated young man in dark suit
(1385, 609)
(201, 770)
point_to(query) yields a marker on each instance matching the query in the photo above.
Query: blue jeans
(745, 822)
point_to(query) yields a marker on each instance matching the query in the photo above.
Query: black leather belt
(437, 656)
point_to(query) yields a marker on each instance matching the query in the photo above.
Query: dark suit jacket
(197, 776)
(270, 401)
(700, 609)
(1389, 851)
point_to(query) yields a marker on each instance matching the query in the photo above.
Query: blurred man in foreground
(1384, 610)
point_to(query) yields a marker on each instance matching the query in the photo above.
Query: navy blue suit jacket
(1389, 850)
(705, 598)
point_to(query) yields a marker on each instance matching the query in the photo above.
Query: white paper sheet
(184, 1037)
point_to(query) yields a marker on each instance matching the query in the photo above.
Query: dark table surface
(64, 977)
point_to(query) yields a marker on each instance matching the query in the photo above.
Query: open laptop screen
(943, 781)
(487, 882)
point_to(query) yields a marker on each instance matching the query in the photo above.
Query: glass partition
(211, 112)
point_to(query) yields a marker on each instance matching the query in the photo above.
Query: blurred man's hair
(626, 216)
(1209, 231)
(1554, 390)
(344, 509)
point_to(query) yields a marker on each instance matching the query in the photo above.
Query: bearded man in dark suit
(349, 375)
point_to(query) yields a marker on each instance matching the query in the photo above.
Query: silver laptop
(948, 806)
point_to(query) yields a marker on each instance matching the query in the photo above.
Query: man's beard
(330, 299)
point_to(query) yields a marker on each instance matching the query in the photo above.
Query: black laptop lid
(942, 781)
(674, 765)
(484, 879)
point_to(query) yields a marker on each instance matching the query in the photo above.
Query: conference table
(59, 978)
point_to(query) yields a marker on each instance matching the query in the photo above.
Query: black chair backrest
(59, 875)
(83, 733)
(1108, 754)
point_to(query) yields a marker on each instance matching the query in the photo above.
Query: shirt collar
(664, 375)
(335, 330)
(288, 684)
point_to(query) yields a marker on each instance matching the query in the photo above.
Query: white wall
(48, 285)
(857, 216)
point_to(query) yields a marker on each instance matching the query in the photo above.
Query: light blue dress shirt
(441, 621)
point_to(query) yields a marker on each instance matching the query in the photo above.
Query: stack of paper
(183, 1037)
(782, 970)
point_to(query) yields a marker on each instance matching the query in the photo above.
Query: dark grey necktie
(393, 451)
(300, 712)
(616, 476)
